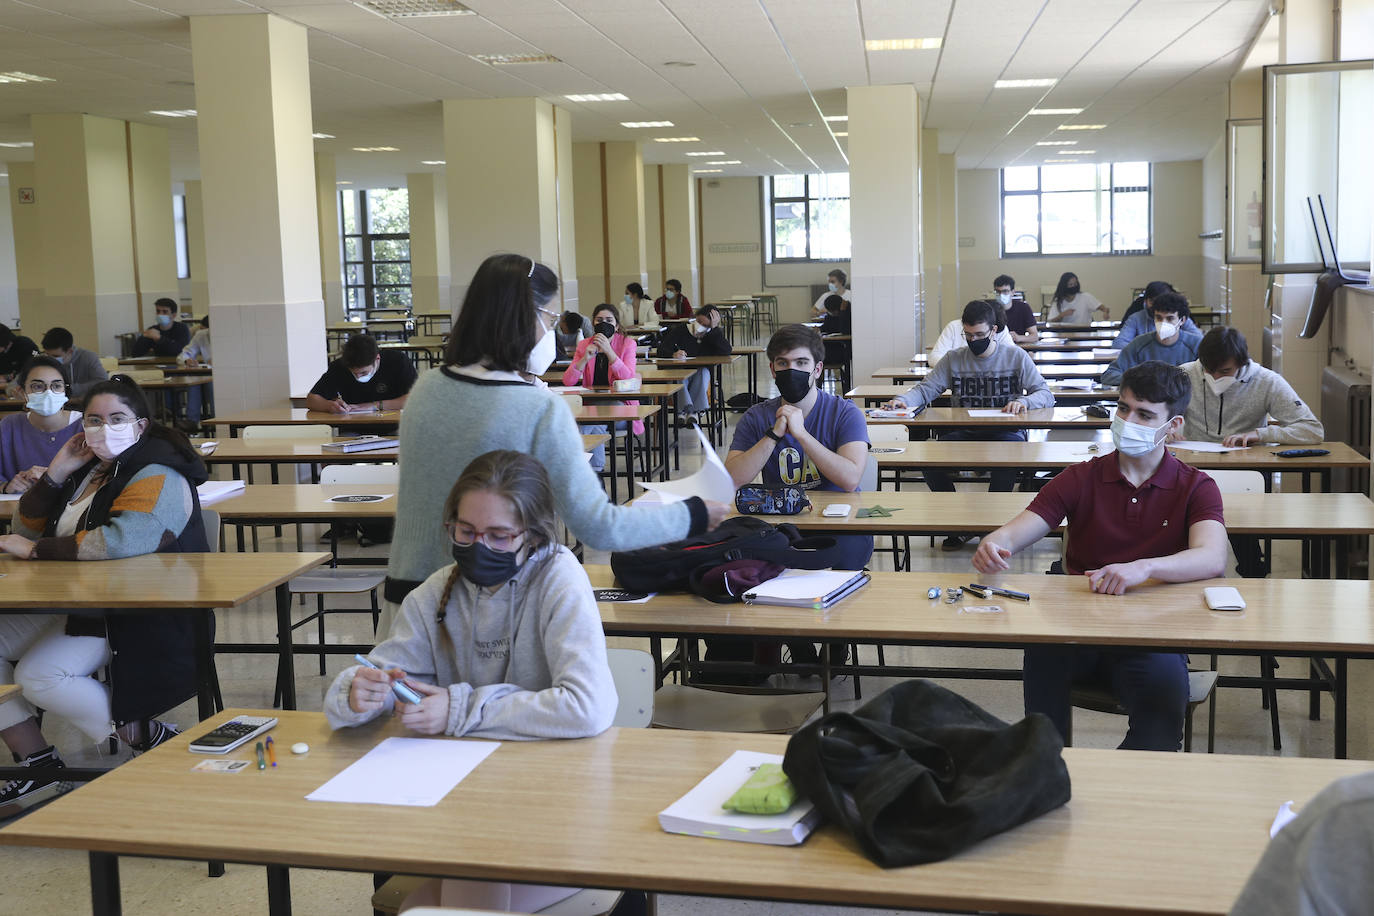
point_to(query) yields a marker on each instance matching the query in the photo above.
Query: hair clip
(531, 273)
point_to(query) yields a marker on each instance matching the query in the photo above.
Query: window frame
(1109, 191)
(366, 262)
(770, 204)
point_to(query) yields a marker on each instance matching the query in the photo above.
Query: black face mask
(979, 347)
(483, 566)
(793, 384)
(1071, 289)
(605, 328)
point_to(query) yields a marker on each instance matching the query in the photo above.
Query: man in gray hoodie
(83, 365)
(1240, 403)
(985, 373)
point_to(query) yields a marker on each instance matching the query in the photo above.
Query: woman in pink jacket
(601, 359)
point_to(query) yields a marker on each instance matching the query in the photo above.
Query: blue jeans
(1003, 479)
(695, 395)
(1151, 686)
(598, 460)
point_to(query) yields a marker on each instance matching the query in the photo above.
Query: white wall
(1177, 255)
(9, 278)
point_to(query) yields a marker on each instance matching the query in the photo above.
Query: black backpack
(669, 567)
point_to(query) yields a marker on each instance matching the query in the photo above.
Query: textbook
(212, 491)
(361, 444)
(699, 812)
(813, 588)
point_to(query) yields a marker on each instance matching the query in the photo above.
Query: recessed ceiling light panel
(1082, 127)
(678, 140)
(718, 152)
(837, 117)
(841, 133)
(415, 9)
(902, 44)
(598, 97)
(376, 149)
(17, 144)
(723, 162)
(1054, 111)
(706, 171)
(434, 162)
(1025, 84)
(320, 136)
(174, 112)
(647, 124)
(1055, 142)
(1078, 152)
(19, 76)
(511, 60)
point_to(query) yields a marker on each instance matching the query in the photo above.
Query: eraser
(300, 747)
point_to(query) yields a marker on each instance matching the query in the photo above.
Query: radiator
(1345, 412)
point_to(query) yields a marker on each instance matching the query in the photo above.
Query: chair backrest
(210, 519)
(887, 432)
(109, 363)
(633, 673)
(1238, 481)
(145, 375)
(868, 482)
(312, 433)
(361, 473)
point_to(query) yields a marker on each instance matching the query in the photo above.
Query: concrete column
(590, 217)
(939, 237)
(262, 246)
(28, 247)
(331, 239)
(429, 251)
(503, 195)
(622, 175)
(677, 208)
(885, 213)
(154, 223)
(81, 174)
(564, 194)
(195, 247)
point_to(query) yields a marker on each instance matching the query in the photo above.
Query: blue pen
(397, 687)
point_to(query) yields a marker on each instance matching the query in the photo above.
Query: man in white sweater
(1240, 403)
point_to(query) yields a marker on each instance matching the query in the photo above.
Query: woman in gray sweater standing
(488, 396)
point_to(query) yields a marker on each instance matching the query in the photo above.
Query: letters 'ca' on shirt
(832, 422)
(1112, 521)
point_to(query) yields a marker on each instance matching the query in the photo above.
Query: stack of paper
(699, 812)
(1105, 353)
(212, 491)
(813, 588)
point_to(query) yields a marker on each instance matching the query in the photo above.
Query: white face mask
(1135, 440)
(1220, 386)
(542, 356)
(1165, 330)
(46, 403)
(698, 329)
(364, 379)
(669, 294)
(109, 444)
(833, 286)
(1004, 298)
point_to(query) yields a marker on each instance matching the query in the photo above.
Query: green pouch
(767, 791)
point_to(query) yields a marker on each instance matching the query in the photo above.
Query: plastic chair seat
(586, 902)
(338, 581)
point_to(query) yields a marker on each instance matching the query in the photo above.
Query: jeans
(695, 395)
(1003, 479)
(598, 459)
(55, 673)
(1151, 686)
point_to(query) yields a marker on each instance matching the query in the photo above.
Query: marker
(271, 751)
(397, 687)
(262, 764)
(1023, 596)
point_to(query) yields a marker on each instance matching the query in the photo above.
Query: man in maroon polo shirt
(1135, 514)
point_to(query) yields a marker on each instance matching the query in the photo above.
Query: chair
(311, 433)
(1201, 688)
(632, 670)
(733, 709)
(110, 364)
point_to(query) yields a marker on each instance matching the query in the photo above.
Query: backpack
(671, 567)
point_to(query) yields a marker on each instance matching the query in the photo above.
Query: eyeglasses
(502, 541)
(37, 387)
(117, 423)
(552, 316)
(972, 337)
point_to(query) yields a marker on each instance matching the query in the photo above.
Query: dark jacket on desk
(679, 337)
(174, 339)
(149, 505)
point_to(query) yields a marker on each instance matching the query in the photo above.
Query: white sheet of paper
(9, 497)
(1281, 820)
(1105, 353)
(1192, 446)
(986, 412)
(406, 771)
(711, 481)
(1081, 384)
(212, 491)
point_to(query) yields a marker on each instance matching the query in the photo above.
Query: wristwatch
(772, 434)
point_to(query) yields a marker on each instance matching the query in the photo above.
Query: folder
(817, 589)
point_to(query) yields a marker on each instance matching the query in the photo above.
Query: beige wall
(154, 221)
(589, 227)
(1177, 255)
(28, 246)
(670, 230)
(9, 276)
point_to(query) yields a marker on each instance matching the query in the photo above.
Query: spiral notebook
(813, 588)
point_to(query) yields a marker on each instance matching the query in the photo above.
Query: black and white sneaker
(158, 732)
(43, 783)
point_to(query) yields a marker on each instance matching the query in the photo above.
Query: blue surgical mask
(833, 286)
(164, 320)
(46, 403)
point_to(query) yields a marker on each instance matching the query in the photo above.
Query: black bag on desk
(918, 773)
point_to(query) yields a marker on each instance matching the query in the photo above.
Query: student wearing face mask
(502, 641)
(702, 336)
(83, 367)
(29, 440)
(672, 304)
(1070, 305)
(1020, 318)
(952, 335)
(834, 286)
(638, 308)
(485, 397)
(1170, 342)
(1135, 514)
(1142, 320)
(605, 357)
(363, 378)
(167, 336)
(983, 373)
(123, 487)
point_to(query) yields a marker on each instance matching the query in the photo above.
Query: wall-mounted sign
(25, 195)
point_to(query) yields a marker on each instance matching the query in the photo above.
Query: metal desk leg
(611, 447)
(1340, 695)
(286, 659)
(825, 677)
(278, 890)
(104, 884)
(205, 661)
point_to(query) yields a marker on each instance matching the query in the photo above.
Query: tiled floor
(42, 882)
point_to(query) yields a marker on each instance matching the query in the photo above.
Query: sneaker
(955, 542)
(44, 783)
(158, 733)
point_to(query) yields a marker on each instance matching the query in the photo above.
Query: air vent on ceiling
(416, 9)
(506, 60)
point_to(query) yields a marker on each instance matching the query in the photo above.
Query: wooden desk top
(1316, 615)
(699, 361)
(923, 512)
(139, 361)
(9, 691)
(1063, 454)
(601, 413)
(1107, 334)
(1042, 418)
(1063, 345)
(1048, 371)
(888, 392)
(180, 381)
(289, 416)
(158, 580)
(271, 451)
(1114, 847)
(654, 391)
(305, 502)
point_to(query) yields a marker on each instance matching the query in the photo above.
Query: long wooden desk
(1064, 394)
(1041, 418)
(585, 813)
(916, 373)
(299, 416)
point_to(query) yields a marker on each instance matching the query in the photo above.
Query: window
(810, 217)
(1088, 208)
(179, 230)
(376, 255)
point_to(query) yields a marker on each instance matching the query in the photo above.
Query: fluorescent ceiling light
(680, 140)
(837, 117)
(1024, 84)
(718, 152)
(598, 97)
(343, 182)
(1054, 111)
(1055, 142)
(415, 9)
(647, 124)
(19, 76)
(841, 133)
(705, 171)
(506, 60)
(25, 144)
(175, 113)
(376, 149)
(320, 136)
(1049, 161)
(434, 162)
(1082, 127)
(1078, 152)
(902, 44)
(724, 162)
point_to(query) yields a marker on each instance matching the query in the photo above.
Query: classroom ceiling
(763, 74)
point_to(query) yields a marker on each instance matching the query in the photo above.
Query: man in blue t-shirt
(807, 438)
